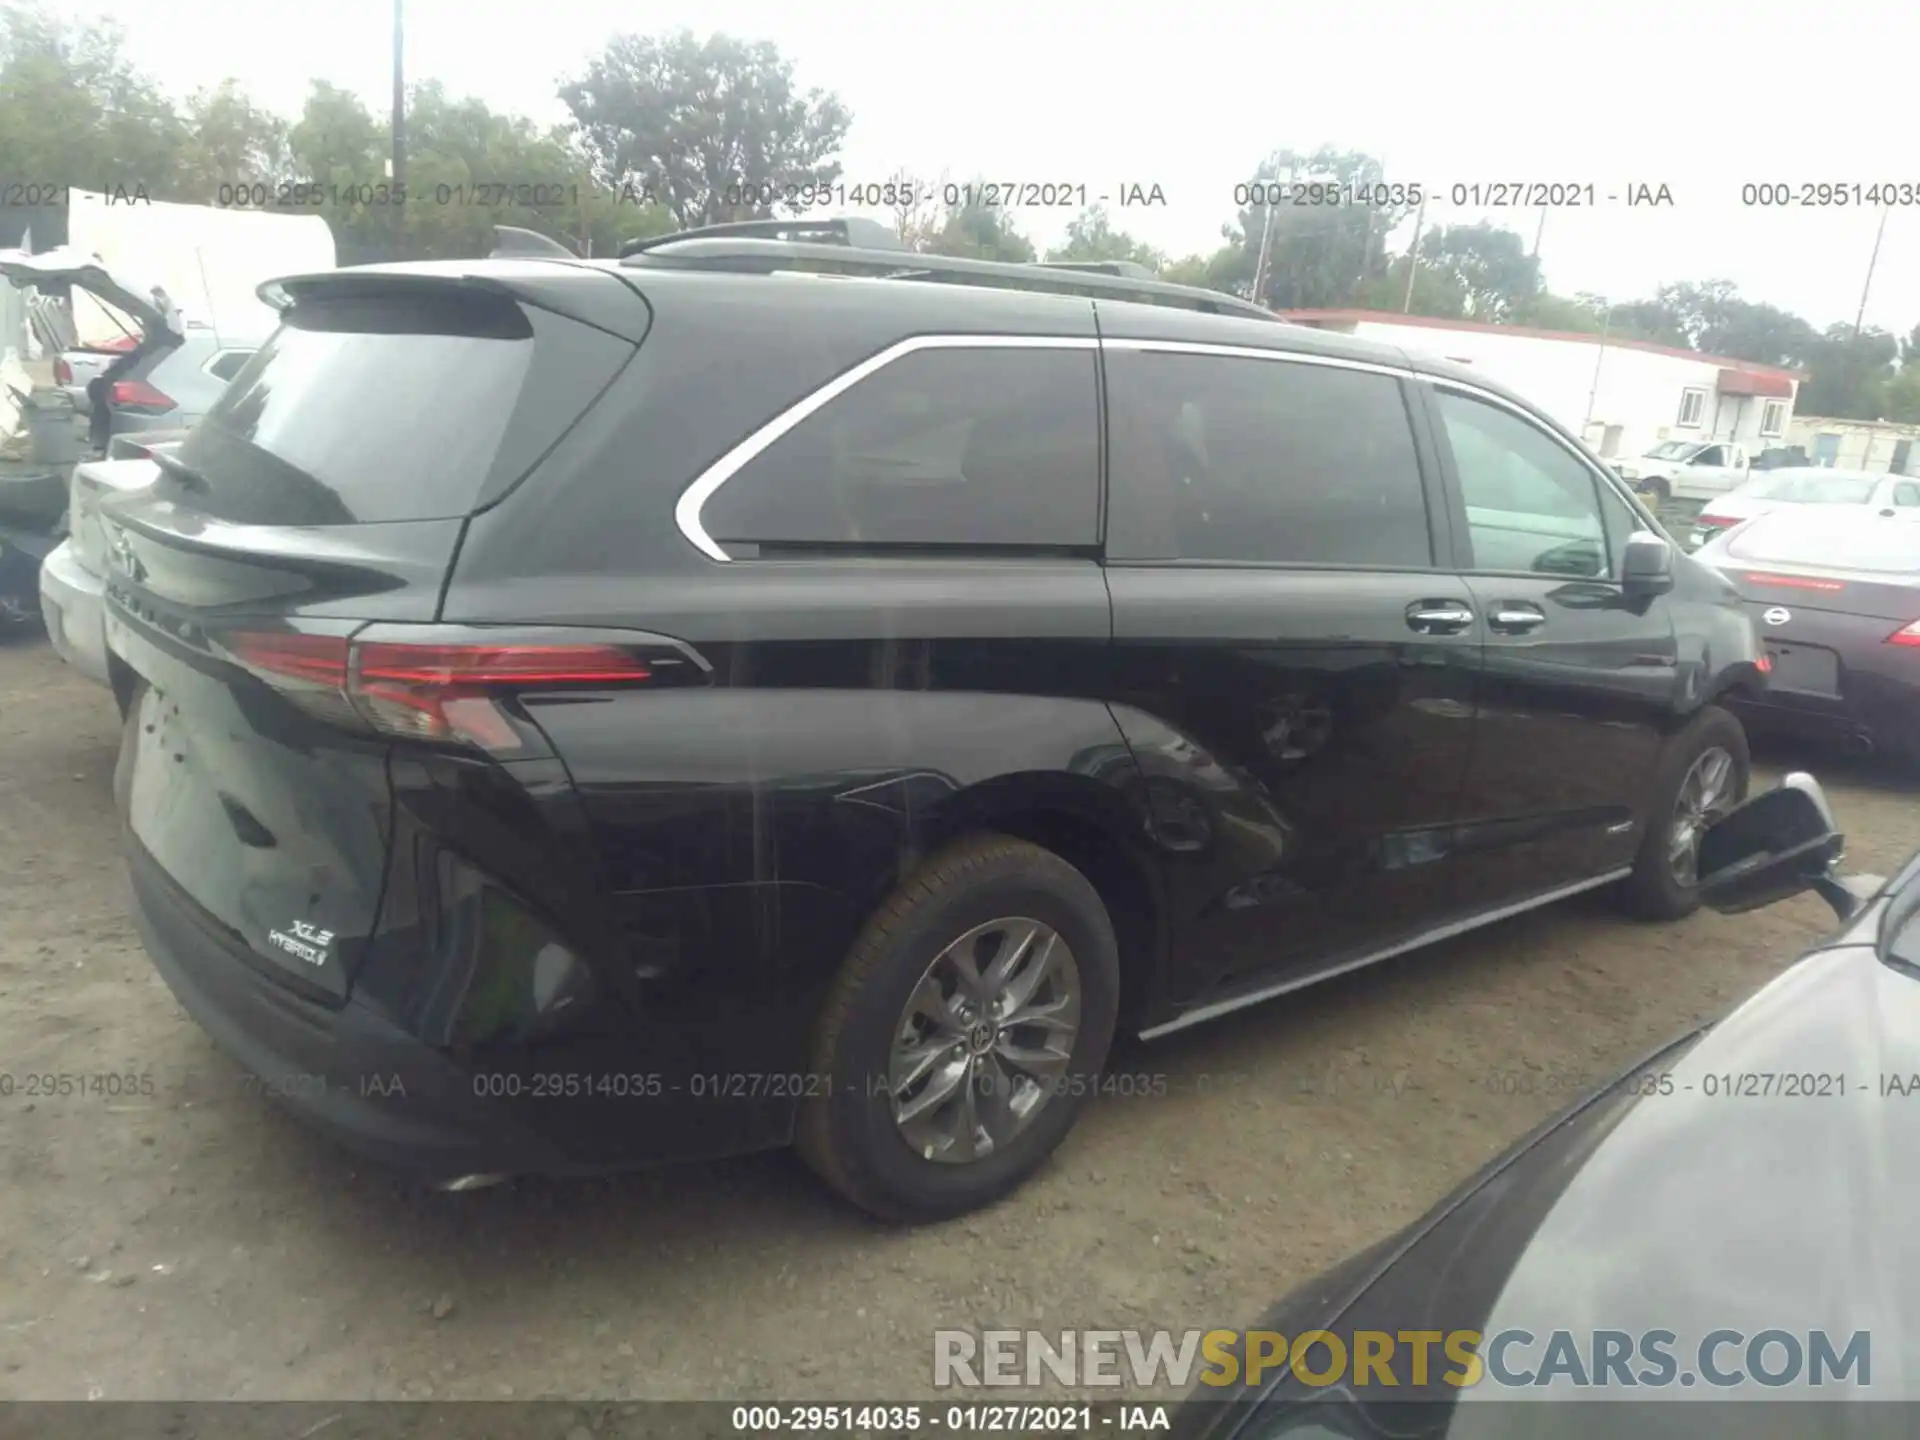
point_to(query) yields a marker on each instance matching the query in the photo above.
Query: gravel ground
(196, 1243)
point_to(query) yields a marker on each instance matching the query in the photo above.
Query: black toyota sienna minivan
(580, 714)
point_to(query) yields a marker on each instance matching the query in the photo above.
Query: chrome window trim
(1257, 352)
(686, 512)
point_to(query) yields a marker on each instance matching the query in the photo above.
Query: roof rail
(752, 255)
(852, 230)
(1133, 269)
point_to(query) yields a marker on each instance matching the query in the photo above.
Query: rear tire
(906, 976)
(1660, 492)
(1660, 887)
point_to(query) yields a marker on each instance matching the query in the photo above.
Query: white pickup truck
(1687, 469)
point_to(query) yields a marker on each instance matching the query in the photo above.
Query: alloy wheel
(1705, 795)
(984, 1040)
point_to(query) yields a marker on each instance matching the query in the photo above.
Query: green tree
(1318, 255)
(1717, 320)
(231, 140)
(715, 128)
(1850, 374)
(1650, 320)
(338, 144)
(1581, 314)
(1901, 398)
(982, 232)
(1436, 293)
(469, 168)
(1489, 264)
(1910, 348)
(74, 109)
(1091, 236)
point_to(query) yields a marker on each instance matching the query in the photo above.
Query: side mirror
(1776, 845)
(1646, 568)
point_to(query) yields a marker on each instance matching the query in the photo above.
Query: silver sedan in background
(1895, 496)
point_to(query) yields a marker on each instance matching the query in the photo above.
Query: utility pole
(398, 164)
(1266, 244)
(1413, 254)
(1538, 231)
(1860, 315)
(1599, 355)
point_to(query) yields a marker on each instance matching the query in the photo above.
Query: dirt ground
(196, 1243)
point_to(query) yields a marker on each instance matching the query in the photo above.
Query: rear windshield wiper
(180, 470)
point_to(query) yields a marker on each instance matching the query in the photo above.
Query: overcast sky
(1700, 97)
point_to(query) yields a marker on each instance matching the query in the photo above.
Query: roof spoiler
(512, 240)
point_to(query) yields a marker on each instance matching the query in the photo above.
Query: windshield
(1675, 450)
(1799, 489)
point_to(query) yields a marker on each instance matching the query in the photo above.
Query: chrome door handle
(1516, 619)
(1438, 617)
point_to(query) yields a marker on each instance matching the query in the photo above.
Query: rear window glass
(1890, 545)
(393, 407)
(981, 447)
(1814, 489)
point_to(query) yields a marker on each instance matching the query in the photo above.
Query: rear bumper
(435, 1112)
(73, 604)
(348, 1072)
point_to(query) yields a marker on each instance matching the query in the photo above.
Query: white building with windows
(1622, 396)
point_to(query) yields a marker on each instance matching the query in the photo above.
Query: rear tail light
(139, 395)
(1906, 635)
(62, 372)
(444, 692)
(1717, 522)
(1794, 582)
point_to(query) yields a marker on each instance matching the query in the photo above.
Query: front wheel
(964, 1032)
(1704, 775)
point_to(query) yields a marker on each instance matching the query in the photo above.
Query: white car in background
(1687, 469)
(1769, 490)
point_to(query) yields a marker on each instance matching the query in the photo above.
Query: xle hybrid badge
(305, 943)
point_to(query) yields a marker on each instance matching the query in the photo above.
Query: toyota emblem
(1777, 615)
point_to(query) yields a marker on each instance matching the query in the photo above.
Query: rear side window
(1261, 462)
(953, 447)
(228, 363)
(401, 406)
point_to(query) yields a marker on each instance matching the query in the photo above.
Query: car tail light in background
(1705, 521)
(1906, 635)
(139, 395)
(62, 372)
(1794, 582)
(424, 691)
